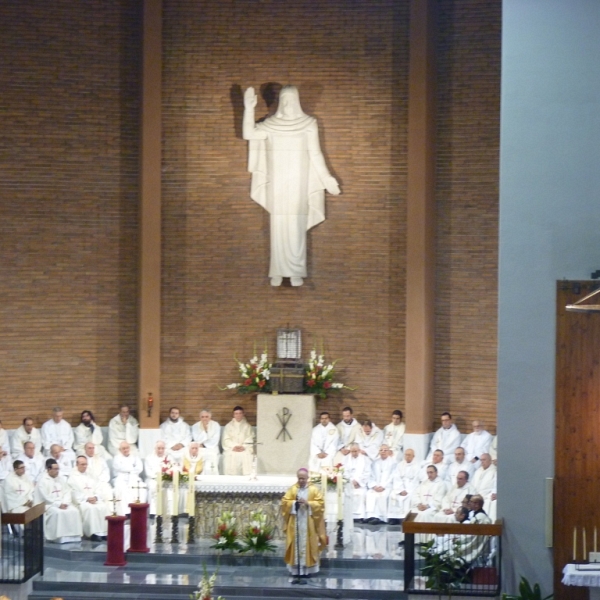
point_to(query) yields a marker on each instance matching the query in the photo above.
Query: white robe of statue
(85, 434)
(382, 474)
(173, 433)
(60, 524)
(209, 440)
(20, 436)
(127, 483)
(393, 436)
(289, 179)
(237, 433)
(17, 491)
(88, 499)
(123, 432)
(323, 439)
(60, 433)
(357, 471)
(405, 482)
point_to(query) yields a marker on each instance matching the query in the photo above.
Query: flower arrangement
(258, 535)
(318, 377)
(205, 587)
(331, 473)
(226, 535)
(167, 468)
(255, 375)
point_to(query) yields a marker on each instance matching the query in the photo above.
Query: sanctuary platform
(370, 567)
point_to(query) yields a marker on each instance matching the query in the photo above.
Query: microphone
(297, 504)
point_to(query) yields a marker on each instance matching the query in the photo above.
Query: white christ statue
(289, 179)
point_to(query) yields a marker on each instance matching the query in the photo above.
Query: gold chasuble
(316, 538)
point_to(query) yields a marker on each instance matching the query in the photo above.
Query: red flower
(261, 383)
(222, 527)
(255, 530)
(248, 381)
(327, 385)
(310, 383)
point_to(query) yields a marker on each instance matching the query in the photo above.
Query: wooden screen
(577, 445)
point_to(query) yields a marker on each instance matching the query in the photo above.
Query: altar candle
(340, 482)
(159, 504)
(324, 489)
(175, 492)
(191, 505)
(574, 543)
(584, 545)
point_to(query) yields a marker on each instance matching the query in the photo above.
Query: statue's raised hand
(250, 98)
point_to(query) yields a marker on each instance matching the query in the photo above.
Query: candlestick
(574, 543)
(159, 500)
(175, 492)
(584, 546)
(324, 489)
(339, 483)
(191, 504)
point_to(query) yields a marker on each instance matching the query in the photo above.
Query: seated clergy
(153, 466)
(370, 439)
(323, 444)
(348, 428)
(97, 469)
(477, 443)
(237, 445)
(62, 521)
(484, 480)
(192, 460)
(454, 498)
(88, 431)
(357, 469)
(208, 433)
(494, 450)
(26, 433)
(58, 431)
(380, 486)
(88, 499)
(446, 438)
(126, 482)
(123, 428)
(393, 435)
(460, 464)
(476, 546)
(4, 442)
(176, 434)
(6, 465)
(17, 490)
(35, 463)
(427, 498)
(404, 483)
(437, 460)
(65, 464)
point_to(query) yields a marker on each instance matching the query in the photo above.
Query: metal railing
(22, 550)
(463, 559)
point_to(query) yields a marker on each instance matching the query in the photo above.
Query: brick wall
(69, 191)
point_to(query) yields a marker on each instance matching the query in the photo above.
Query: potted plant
(526, 592)
(446, 570)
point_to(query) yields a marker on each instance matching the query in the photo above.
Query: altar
(584, 575)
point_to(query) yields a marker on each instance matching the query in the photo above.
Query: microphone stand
(297, 578)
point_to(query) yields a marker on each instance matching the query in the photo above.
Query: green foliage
(446, 571)
(526, 592)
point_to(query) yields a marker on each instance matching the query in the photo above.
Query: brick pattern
(68, 215)
(68, 208)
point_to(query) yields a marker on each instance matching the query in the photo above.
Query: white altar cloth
(586, 577)
(271, 484)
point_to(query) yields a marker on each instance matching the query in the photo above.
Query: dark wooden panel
(577, 445)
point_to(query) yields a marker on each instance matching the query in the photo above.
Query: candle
(340, 481)
(175, 492)
(584, 546)
(191, 504)
(159, 504)
(574, 543)
(324, 489)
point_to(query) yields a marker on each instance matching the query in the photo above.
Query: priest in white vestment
(357, 469)
(88, 431)
(460, 464)
(6, 466)
(427, 500)
(485, 483)
(380, 486)
(35, 463)
(476, 548)
(17, 490)
(4, 442)
(437, 460)
(58, 431)
(237, 441)
(176, 434)
(348, 429)
(393, 435)
(126, 482)
(153, 466)
(477, 443)
(404, 483)
(65, 463)
(97, 468)
(123, 428)
(494, 450)
(446, 438)
(88, 499)
(62, 521)
(454, 498)
(26, 433)
(323, 444)
(370, 439)
(208, 434)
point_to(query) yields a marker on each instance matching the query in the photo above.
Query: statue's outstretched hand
(332, 186)
(250, 98)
